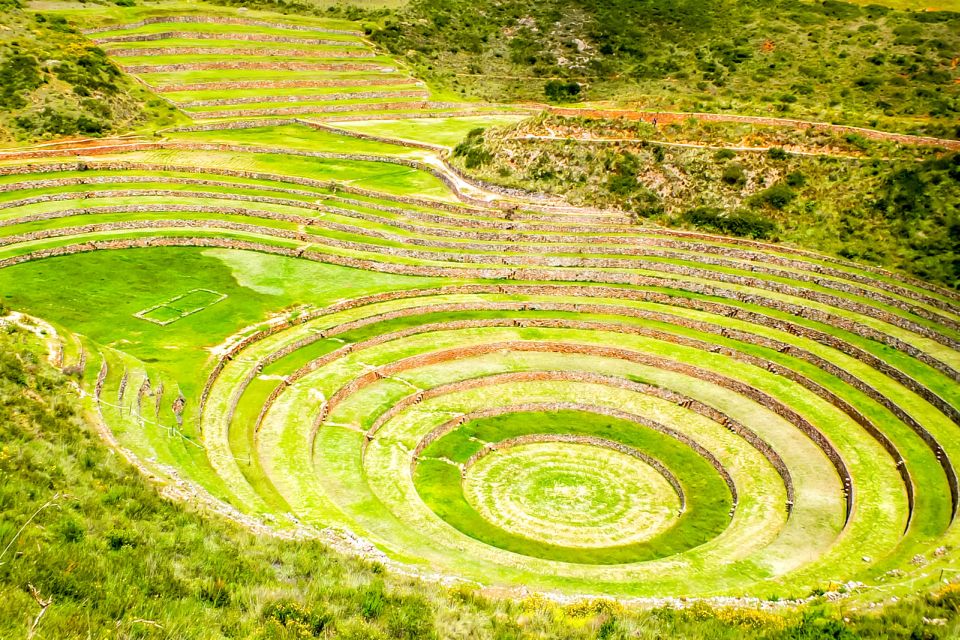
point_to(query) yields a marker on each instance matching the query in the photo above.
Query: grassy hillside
(54, 83)
(827, 60)
(89, 549)
(867, 200)
(299, 370)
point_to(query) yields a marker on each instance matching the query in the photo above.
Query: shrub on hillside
(736, 223)
(796, 179)
(776, 153)
(472, 151)
(19, 74)
(90, 72)
(296, 619)
(778, 196)
(734, 175)
(55, 122)
(560, 91)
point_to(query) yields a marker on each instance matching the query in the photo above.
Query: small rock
(939, 552)
(937, 622)
(918, 560)
(866, 558)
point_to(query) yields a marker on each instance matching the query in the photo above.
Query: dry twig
(43, 604)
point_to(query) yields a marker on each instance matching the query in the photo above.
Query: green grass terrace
(510, 394)
(229, 66)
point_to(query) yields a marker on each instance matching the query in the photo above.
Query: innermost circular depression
(571, 494)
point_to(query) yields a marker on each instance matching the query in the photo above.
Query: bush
(290, 614)
(777, 153)
(737, 223)
(796, 179)
(71, 530)
(472, 151)
(372, 601)
(118, 539)
(358, 630)
(55, 122)
(778, 196)
(560, 91)
(734, 175)
(411, 619)
(19, 74)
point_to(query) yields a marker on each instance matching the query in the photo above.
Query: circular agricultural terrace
(581, 405)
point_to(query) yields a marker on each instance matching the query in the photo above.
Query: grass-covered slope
(816, 398)
(225, 66)
(215, 63)
(829, 60)
(340, 336)
(89, 549)
(879, 201)
(54, 82)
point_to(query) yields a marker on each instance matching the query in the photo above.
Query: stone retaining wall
(617, 278)
(255, 65)
(101, 379)
(420, 202)
(683, 270)
(213, 19)
(202, 35)
(312, 108)
(331, 97)
(830, 397)
(856, 415)
(453, 354)
(232, 148)
(709, 307)
(291, 84)
(700, 248)
(360, 135)
(453, 113)
(706, 346)
(120, 165)
(146, 52)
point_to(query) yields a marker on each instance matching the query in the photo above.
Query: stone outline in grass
(183, 314)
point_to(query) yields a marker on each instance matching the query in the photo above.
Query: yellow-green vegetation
(387, 398)
(91, 550)
(215, 66)
(824, 60)
(353, 389)
(54, 83)
(890, 203)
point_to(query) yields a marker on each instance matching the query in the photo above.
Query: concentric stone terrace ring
(590, 407)
(578, 490)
